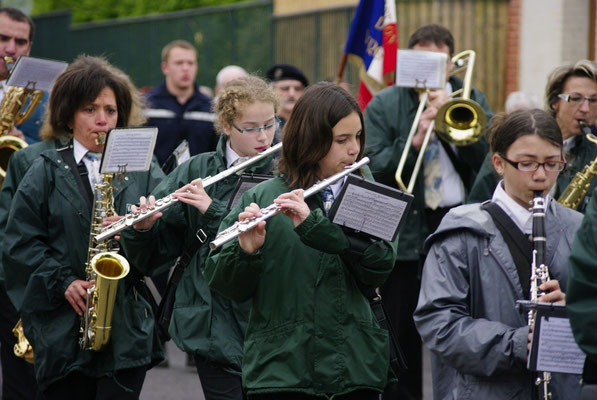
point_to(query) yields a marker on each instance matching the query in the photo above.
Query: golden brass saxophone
(104, 269)
(22, 348)
(578, 187)
(13, 112)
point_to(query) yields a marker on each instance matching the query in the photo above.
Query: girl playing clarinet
(311, 333)
(478, 266)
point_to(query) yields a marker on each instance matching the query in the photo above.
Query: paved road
(180, 382)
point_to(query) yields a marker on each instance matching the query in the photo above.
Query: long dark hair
(308, 135)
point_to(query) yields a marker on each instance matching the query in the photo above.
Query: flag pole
(341, 70)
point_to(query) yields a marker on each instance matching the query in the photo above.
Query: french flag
(372, 44)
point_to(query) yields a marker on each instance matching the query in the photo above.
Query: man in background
(179, 110)
(289, 82)
(227, 74)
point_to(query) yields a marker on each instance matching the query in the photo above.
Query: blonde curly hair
(239, 93)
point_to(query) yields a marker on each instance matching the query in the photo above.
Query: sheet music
(129, 148)
(370, 212)
(557, 351)
(35, 70)
(421, 69)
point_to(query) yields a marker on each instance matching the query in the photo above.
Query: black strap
(589, 374)
(465, 172)
(79, 172)
(358, 244)
(164, 313)
(518, 243)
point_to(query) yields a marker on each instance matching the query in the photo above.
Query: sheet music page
(36, 70)
(421, 69)
(129, 148)
(557, 351)
(367, 211)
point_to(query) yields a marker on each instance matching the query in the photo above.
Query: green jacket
(18, 165)
(581, 295)
(310, 330)
(45, 250)
(580, 155)
(203, 322)
(388, 119)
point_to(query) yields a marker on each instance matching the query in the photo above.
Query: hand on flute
(252, 240)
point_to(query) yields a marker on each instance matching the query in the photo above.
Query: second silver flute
(240, 227)
(165, 202)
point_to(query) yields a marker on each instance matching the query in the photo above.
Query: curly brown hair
(79, 85)
(239, 93)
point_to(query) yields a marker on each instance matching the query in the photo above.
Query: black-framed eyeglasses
(255, 131)
(532, 166)
(578, 99)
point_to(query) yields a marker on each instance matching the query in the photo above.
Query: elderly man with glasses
(571, 98)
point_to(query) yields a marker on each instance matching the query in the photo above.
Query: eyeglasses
(532, 166)
(578, 99)
(255, 131)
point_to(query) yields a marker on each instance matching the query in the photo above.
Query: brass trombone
(460, 121)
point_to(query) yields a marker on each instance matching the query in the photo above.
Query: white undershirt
(453, 187)
(522, 217)
(232, 156)
(79, 152)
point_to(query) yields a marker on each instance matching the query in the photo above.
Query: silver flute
(240, 227)
(131, 219)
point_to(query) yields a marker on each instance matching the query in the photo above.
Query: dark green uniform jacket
(310, 330)
(580, 155)
(203, 322)
(45, 250)
(388, 120)
(18, 165)
(581, 296)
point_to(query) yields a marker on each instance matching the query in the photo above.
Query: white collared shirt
(79, 152)
(522, 217)
(232, 156)
(453, 187)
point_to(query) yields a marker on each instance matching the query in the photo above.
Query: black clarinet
(539, 275)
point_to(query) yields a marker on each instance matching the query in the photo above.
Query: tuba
(104, 269)
(460, 121)
(13, 112)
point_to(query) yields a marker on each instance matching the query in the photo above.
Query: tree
(99, 10)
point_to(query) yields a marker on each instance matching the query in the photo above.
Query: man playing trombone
(447, 173)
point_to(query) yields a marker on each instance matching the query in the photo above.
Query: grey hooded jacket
(466, 313)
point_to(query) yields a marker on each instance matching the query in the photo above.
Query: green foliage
(99, 10)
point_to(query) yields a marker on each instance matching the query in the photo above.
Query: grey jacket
(466, 313)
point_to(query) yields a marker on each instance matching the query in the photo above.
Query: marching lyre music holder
(128, 150)
(371, 208)
(553, 348)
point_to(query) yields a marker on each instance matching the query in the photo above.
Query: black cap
(279, 72)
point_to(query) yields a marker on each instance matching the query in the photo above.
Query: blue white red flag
(372, 45)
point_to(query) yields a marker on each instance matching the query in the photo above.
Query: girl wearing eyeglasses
(466, 313)
(204, 324)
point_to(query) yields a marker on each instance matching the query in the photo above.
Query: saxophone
(579, 185)
(539, 275)
(104, 268)
(13, 112)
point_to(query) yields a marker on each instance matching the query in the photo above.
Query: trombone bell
(460, 122)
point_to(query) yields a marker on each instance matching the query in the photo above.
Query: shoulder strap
(518, 243)
(79, 172)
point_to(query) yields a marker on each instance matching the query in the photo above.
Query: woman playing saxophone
(46, 244)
